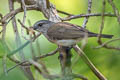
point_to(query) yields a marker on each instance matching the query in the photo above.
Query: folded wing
(63, 30)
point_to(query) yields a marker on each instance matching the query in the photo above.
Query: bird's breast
(66, 42)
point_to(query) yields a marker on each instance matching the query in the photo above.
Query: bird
(64, 33)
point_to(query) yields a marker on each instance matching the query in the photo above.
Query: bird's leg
(67, 50)
(68, 56)
(65, 61)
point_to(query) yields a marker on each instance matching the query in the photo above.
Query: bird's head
(42, 25)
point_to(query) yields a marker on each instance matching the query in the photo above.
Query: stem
(89, 63)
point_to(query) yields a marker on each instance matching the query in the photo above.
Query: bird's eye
(40, 25)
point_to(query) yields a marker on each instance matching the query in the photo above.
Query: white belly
(66, 42)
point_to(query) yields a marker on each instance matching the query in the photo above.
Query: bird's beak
(35, 27)
(37, 30)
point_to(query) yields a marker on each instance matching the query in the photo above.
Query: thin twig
(65, 13)
(83, 45)
(17, 36)
(7, 49)
(42, 70)
(26, 70)
(87, 15)
(107, 42)
(89, 11)
(4, 25)
(101, 28)
(21, 47)
(14, 12)
(89, 6)
(89, 63)
(22, 25)
(6, 22)
(29, 30)
(24, 18)
(18, 64)
(115, 10)
(24, 63)
(36, 58)
(49, 54)
(24, 8)
(31, 45)
(102, 23)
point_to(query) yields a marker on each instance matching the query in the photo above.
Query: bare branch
(17, 37)
(21, 47)
(24, 63)
(49, 13)
(24, 17)
(24, 8)
(29, 30)
(116, 11)
(18, 64)
(107, 42)
(26, 70)
(49, 54)
(101, 29)
(102, 23)
(89, 11)
(87, 15)
(22, 25)
(14, 12)
(89, 63)
(64, 13)
(41, 68)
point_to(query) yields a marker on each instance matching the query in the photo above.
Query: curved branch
(14, 12)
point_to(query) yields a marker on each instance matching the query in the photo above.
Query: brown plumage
(63, 30)
(63, 33)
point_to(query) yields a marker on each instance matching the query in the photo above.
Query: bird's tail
(102, 35)
(106, 36)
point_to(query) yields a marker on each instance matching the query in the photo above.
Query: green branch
(18, 49)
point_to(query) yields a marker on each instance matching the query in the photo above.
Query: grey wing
(63, 30)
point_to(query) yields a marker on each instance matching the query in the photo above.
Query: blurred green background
(106, 60)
